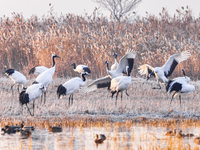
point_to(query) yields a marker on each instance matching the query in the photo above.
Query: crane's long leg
(180, 99)
(159, 87)
(18, 88)
(121, 95)
(45, 96)
(113, 93)
(41, 97)
(116, 98)
(175, 93)
(171, 100)
(29, 109)
(33, 106)
(127, 92)
(22, 109)
(69, 101)
(72, 100)
(12, 88)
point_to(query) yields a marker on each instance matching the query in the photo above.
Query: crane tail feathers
(23, 98)
(61, 90)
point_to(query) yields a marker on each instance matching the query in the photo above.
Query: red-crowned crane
(33, 92)
(180, 86)
(17, 77)
(45, 78)
(121, 83)
(162, 73)
(105, 81)
(71, 86)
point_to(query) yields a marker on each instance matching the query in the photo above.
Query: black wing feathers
(32, 70)
(173, 66)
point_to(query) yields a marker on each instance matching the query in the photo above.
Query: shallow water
(137, 137)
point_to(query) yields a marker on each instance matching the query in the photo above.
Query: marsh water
(136, 137)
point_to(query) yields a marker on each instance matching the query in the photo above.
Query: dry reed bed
(91, 40)
(89, 121)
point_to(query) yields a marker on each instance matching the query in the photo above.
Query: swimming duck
(179, 134)
(31, 128)
(55, 129)
(171, 133)
(188, 135)
(197, 140)
(25, 133)
(99, 138)
(10, 129)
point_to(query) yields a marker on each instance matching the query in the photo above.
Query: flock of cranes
(117, 80)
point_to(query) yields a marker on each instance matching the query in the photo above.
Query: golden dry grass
(142, 102)
(91, 40)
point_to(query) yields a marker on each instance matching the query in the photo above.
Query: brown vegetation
(92, 40)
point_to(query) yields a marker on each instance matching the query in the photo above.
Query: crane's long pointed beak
(183, 70)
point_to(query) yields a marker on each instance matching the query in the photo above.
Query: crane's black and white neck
(53, 58)
(107, 66)
(115, 65)
(83, 76)
(74, 66)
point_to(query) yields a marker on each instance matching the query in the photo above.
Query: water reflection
(137, 137)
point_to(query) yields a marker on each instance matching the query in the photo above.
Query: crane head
(54, 55)
(115, 55)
